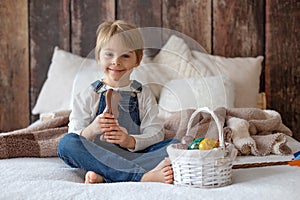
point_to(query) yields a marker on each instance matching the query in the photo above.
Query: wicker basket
(203, 168)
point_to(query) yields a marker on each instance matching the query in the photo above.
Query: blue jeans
(112, 162)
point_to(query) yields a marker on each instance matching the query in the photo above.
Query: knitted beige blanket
(37, 141)
(252, 131)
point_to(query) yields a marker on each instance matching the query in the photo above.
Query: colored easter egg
(195, 143)
(208, 144)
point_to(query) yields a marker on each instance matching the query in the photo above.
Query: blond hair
(129, 34)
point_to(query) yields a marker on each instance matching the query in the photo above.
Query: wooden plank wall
(283, 60)
(14, 65)
(223, 27)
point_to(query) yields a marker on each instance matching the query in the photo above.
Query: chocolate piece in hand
(108, 101)
(112, 102)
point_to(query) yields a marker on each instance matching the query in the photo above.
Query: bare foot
(163, 173)
(92, 177)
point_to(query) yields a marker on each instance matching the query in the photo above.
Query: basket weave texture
(203, 168)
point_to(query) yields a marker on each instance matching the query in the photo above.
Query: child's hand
(119, 135)
(101, 124)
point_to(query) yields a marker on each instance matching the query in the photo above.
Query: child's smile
(117, 62)
(116, 70)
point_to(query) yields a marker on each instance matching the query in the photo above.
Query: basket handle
(220, 129)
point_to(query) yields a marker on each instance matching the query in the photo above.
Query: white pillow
(183, 63)
(86, 75)
(192, 93)
(155, 76)
(244, 73)
(56, 92)
(174, 61)
(177, 55)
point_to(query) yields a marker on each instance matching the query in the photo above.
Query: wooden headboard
(29, 30)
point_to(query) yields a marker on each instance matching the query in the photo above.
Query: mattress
(50, 178)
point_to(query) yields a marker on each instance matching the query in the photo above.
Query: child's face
(117, 62)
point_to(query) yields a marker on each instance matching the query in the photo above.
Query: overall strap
(97, 85)
(136, 86)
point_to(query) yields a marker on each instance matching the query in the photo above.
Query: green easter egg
(195, 143)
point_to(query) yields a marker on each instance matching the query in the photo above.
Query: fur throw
(251, 130)
(35, 141)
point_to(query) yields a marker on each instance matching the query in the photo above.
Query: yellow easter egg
(208, 144)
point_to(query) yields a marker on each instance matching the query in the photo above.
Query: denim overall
(112, 162)
(128, 108)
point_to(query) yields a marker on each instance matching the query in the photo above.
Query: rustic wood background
(29, 30)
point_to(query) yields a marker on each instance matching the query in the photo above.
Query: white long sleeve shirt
(85, 107)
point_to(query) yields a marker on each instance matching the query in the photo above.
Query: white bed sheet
(50, 178)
